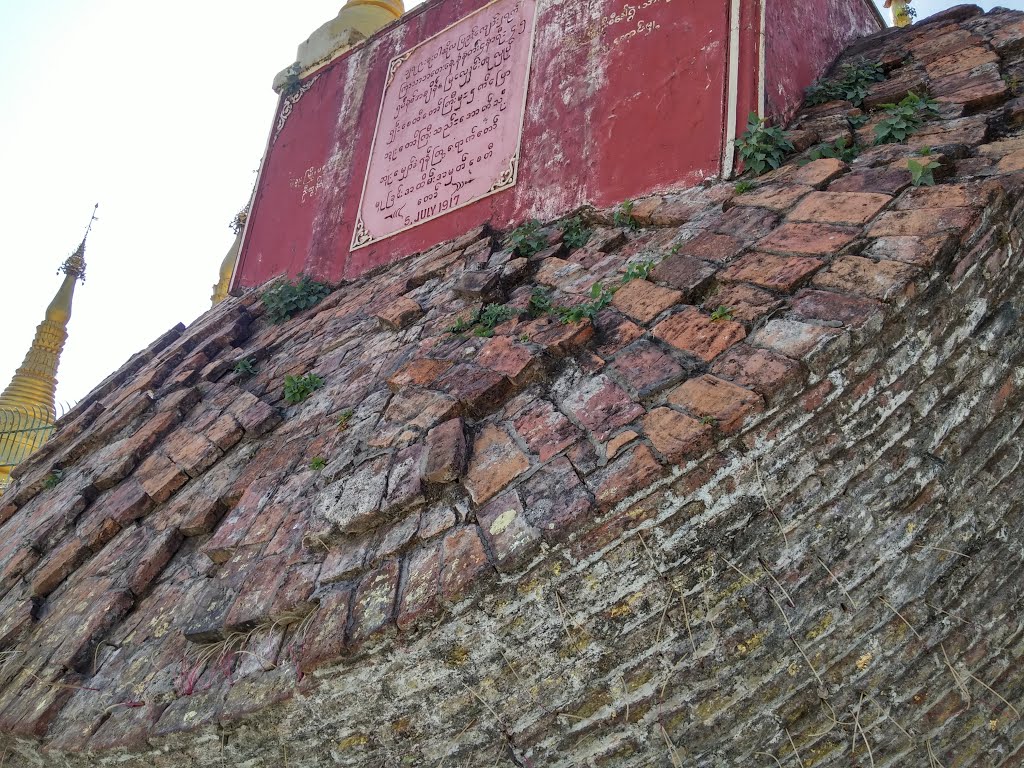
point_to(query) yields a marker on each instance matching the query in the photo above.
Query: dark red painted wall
(803, 39)
(605, 121)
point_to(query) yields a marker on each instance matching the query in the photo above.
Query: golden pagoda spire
(227, 266)
(27, 407)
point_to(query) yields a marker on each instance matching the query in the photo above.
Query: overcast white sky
(160, 113)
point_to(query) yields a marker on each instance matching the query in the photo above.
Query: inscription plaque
(450, 122)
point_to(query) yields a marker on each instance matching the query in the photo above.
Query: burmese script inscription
(450, 121)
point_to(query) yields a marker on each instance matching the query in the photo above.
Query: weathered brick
(699, 335)
(839, 207)
(835, 307)
(420, 587)
(507, 531)
(325, 641)
(745, 303)
(125, 504)
(686, 273)
(556, 500)
(646, 368)
(495, 462)
(777, 273)
(405, 479)
(918, 251)
(445, 457)
(420, 408)
(818, 173)
(600, 405)
(353, 504)
(421, 372)
(775, 197)
(771, 375)
(675, 435)
(708, 397)
(633, 470)
(746, 223)
(373, 603)
(888, 181)
(511, 358)
(57, 566)
(813, 239)
(791, 338)
(545, 430)
(644, 301)
(882, 280)
(399, 314)
(464, 559)
(922, 221)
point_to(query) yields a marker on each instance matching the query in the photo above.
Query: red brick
(615, 332)
(1011, 163)
(464, 559)
(746, 223)
(633, 470)
(445, 452)
(646, 368)
(699, 335)
(918, 251)
(419, 408)
(839, 207)
(922, 221)
(420, 588)
(511, 538)
(418, 373)
(601, 406)
(400, 313)
(496, 461)
(125, 504)
(744, 302)
(771, 375)
(191, 452)
(225, 432)
(344, 560)
(711, 246)
(555, 499)
(673, 213)
(478, 389)
(58, 565)
(835, 307)
(775, 197)
(513, 359)
(405, 480)
(644, 301)
(812, 239)
(889, 181)
(711, 397)
(820, 172)
(545, 430)
(941, 196)
(675, 435)
(969, 57)
(791, 338)
(882, 280)
(325, 641)
(373, 603)
(558, 338)
(690, 275)
(777, 273)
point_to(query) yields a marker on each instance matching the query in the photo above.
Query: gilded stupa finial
(27, 405)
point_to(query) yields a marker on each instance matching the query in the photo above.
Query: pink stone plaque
(450, 121)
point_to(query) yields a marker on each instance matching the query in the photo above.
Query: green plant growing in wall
(904, 118)
(345, 418)
(722, 313)
(492, 316)
(638, 270)
(600, 297)
(576, 234)
(318, 463)
(921, 172)
(741, 187)
(623, 216)
(762, 147)
(298, 388)
(286, 299)
(245, 367)
(53, 479)
(840, 149)
(528, 239)
(851, 83)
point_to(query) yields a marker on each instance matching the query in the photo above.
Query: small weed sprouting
(638, 270)
(904, 118)
(245, 367)
(709, 421)
(492, 316)
(483, 321)
(298, 388)
(528, 239)
(741, 186)
(345, 418)
(600, 297)
(576, 234)
(762, 147)
(924, 151)
(840, 149)
(623, 216)
(540, 302)
(53, 479)
(851, 83)
(318, 463)
(285, 300)
(858, 121)
(524, 337)
(722, 313)
(921, 172)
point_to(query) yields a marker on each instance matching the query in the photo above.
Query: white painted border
(732, 92)
(762, 62)
(515, 160)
